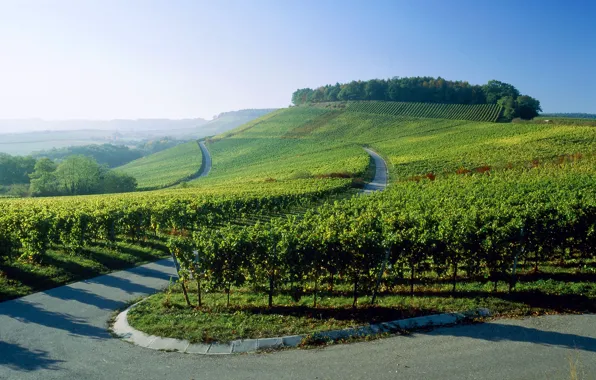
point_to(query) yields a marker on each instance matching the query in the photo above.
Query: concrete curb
(126, 332)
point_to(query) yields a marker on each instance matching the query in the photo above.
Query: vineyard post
(519, 250)
(198, 278)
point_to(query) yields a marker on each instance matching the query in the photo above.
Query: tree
(79, 175)
(527, 107)
(43, 178)
(495, 90)
(375, 89)
(509, 108)
(117, 182)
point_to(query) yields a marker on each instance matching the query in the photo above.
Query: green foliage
(15, 170)
(165, 168)
(428, 90)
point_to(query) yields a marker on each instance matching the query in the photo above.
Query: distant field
(476, 112)
(167, 167)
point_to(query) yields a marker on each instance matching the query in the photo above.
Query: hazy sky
(107, 59)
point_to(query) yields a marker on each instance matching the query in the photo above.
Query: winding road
(206, 168)
(379, 181)
(63, 334)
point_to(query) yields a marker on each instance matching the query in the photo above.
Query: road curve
(62, 334)
(379, 181)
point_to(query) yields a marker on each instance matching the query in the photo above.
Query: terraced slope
(165, 168)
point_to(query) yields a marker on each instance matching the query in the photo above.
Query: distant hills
(23, 137)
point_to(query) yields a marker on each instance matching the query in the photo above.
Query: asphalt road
(379, 182)
(207, 156)
(62, 334)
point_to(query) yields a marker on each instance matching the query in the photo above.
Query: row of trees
(73, 175)
(425, 90)
(484, 230)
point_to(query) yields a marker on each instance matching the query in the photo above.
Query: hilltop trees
(426, 90)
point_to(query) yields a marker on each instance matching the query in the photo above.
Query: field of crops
(474, 112)
(165, 168)
(459, 228)
(442, 169)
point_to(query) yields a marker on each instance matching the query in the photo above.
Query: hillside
(165, 168)
(310, 141)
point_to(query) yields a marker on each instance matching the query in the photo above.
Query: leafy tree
(43, 178)
(375, 90)
(527, 107)
(495, 90)
(117, 182)
(78, 175)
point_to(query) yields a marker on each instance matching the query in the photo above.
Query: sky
(108, 59)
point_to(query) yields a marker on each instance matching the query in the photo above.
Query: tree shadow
(85, 297)
(497, 332)
(562, 303)
(19, 358)
(130, 286)
(34, 313)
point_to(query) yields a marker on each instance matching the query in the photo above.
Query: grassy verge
(554, 290)
(58, 268)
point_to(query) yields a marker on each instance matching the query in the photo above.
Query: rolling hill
(323, 140)
(165, 168)
(487, 179)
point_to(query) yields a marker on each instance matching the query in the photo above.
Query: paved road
(207, 167)
(61, 334)
(379, 182)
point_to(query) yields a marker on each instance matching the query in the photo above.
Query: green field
(487, 179)
(165, 168)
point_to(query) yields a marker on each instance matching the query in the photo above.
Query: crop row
(29, 227)
(473, 112)
(478, 226)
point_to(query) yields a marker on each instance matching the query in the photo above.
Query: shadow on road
(27, 312)
(496, 332)
(19, 358)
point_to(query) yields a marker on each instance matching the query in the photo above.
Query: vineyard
(472, 112)
(468, 201)
(165, 168)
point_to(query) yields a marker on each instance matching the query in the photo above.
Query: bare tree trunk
(185, 294)
(200, 302)
(271, 283)
(412, 280)
(454, 275)
(355, 291)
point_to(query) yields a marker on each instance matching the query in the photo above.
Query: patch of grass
(249, 317)
(58, 268)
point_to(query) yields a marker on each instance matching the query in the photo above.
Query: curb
(122, 329)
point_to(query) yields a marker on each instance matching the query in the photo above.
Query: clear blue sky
(106, 59)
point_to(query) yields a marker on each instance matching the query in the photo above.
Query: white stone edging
(123, 330)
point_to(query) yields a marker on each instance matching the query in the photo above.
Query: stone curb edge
(124, 331)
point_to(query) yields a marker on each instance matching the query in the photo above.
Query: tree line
(74, 175)
(426, 90)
